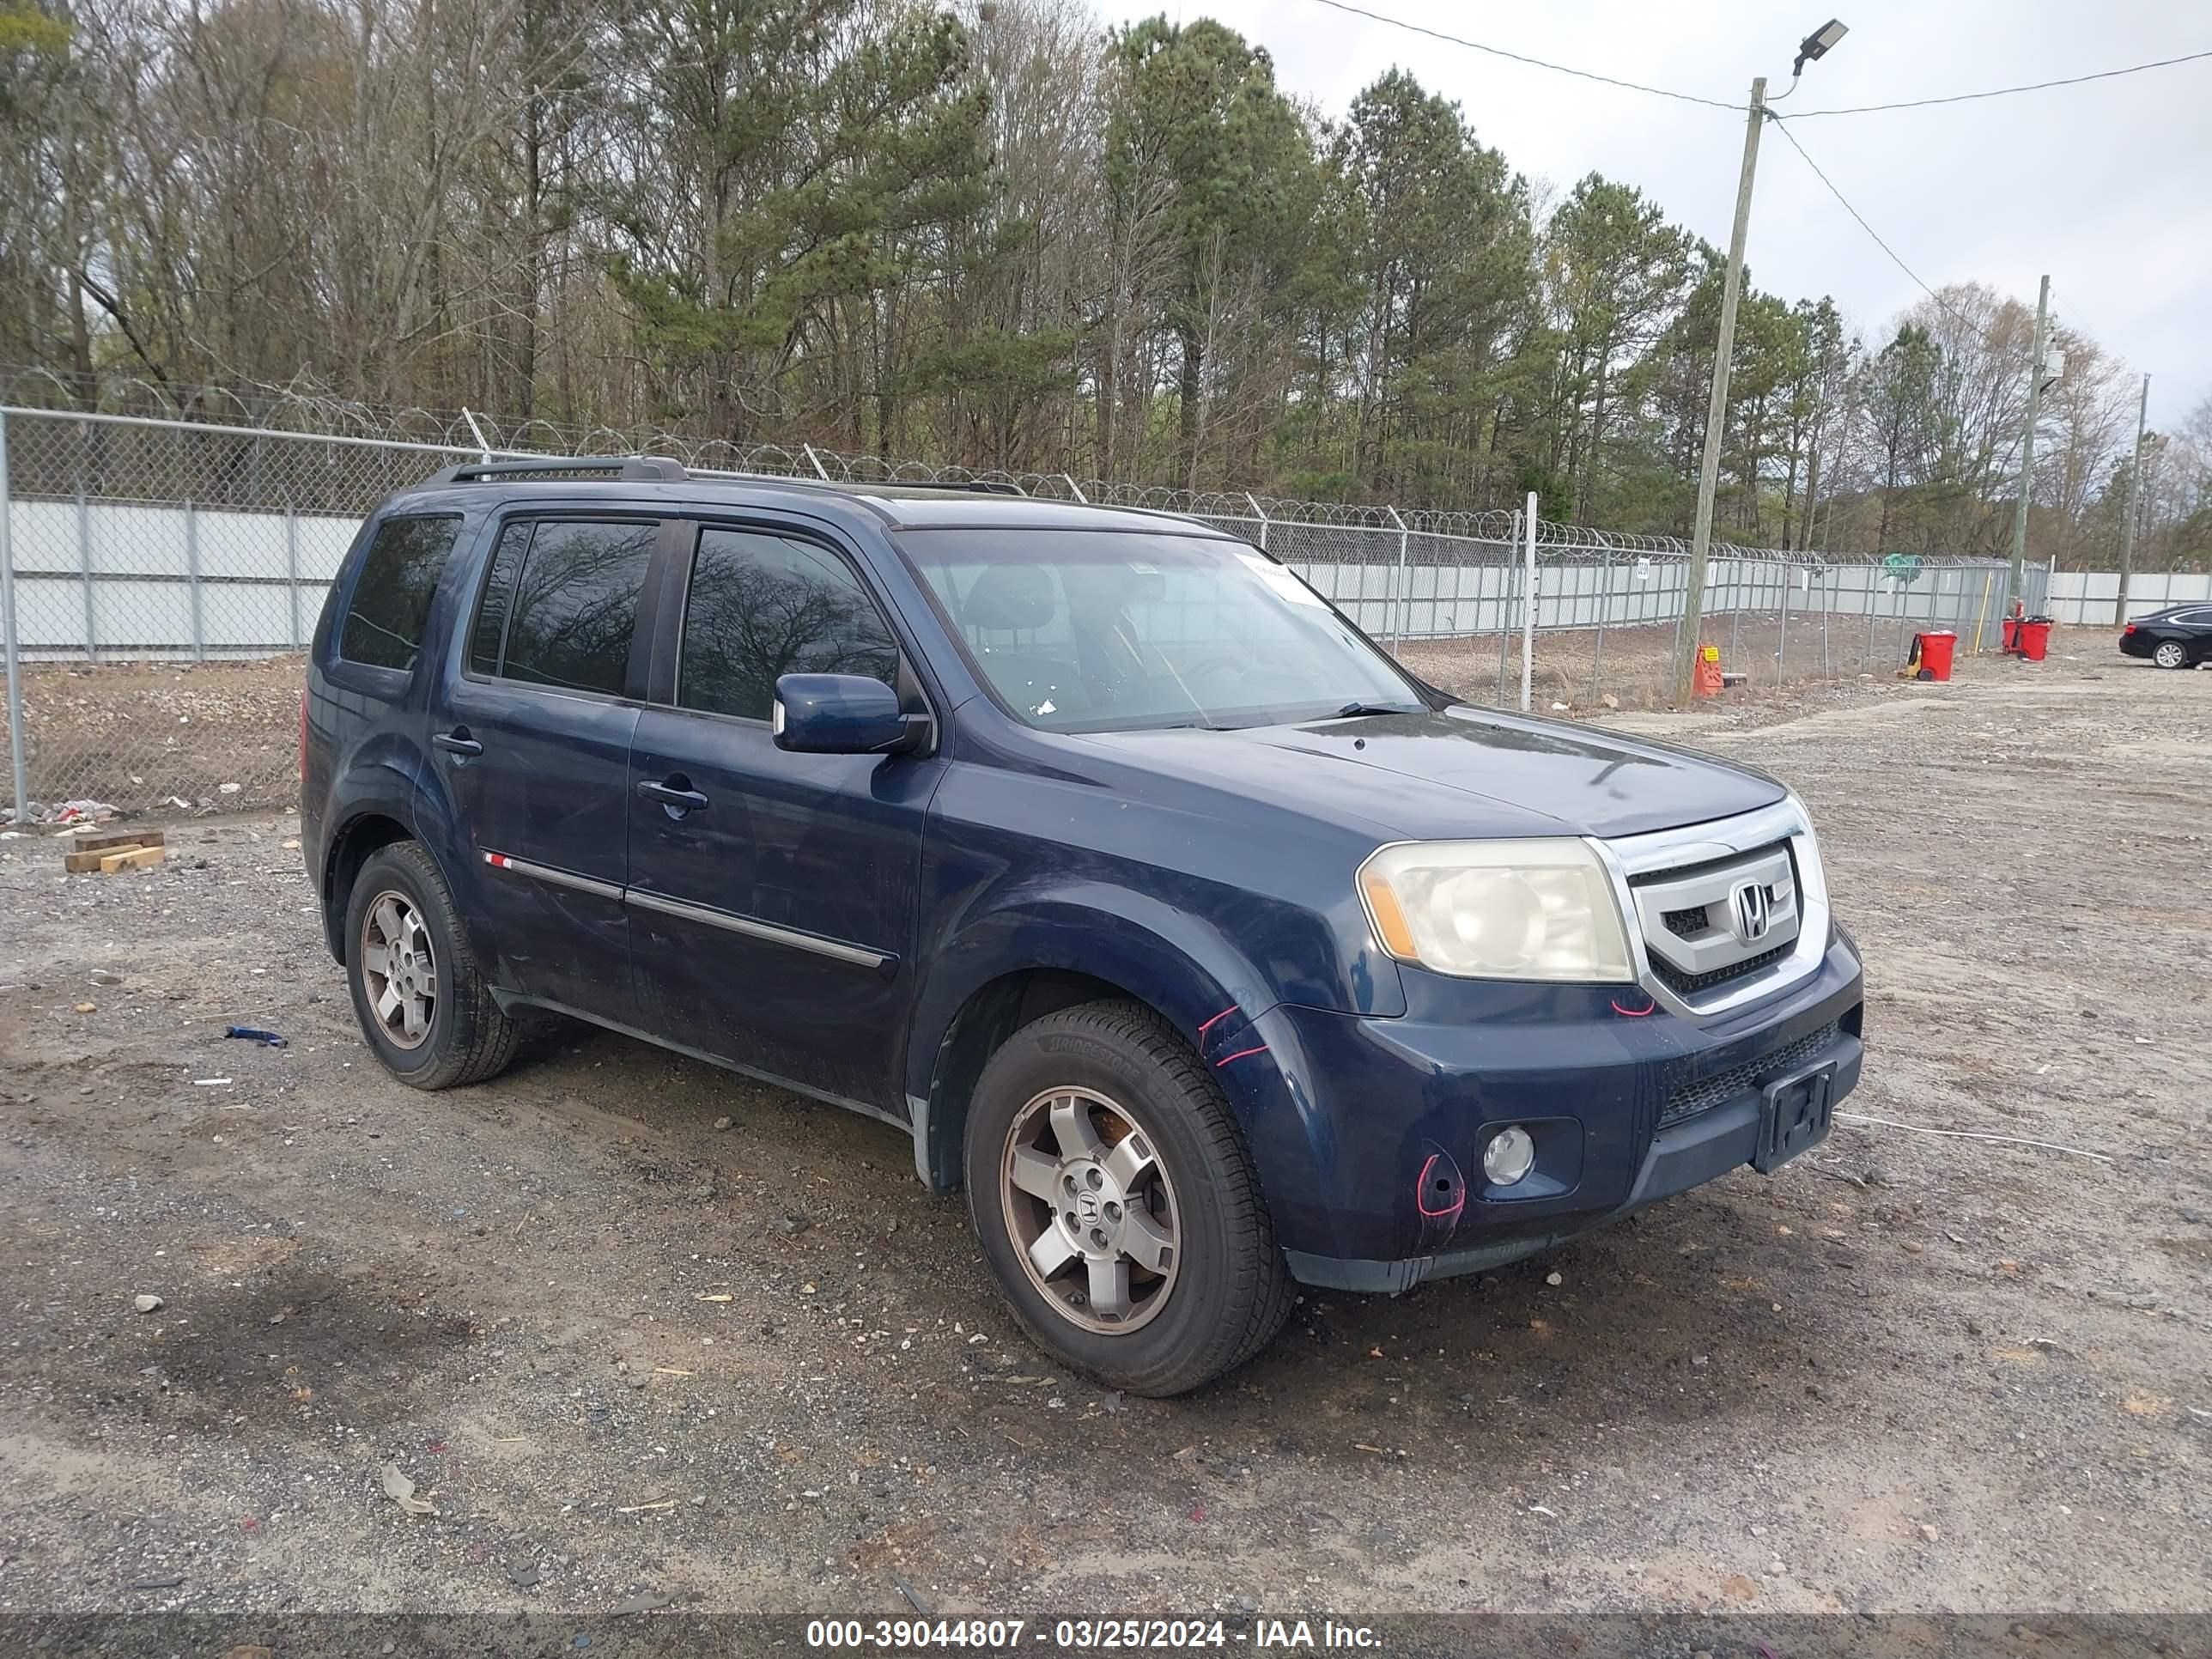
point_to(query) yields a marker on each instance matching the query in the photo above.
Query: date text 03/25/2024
(1082, 1635)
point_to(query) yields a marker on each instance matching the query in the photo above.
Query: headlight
(1539, 909)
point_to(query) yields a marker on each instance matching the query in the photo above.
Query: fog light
(1508, 1156)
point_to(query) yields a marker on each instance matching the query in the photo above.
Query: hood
(1460, 772)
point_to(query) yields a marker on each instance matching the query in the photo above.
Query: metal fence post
(1604, 605)
(1781, 640)
(1505, 583)
(292, 568)
(1258, 512)
(84, 566)
(1528, 609)
(1399, 596)
(193, 581)
(8, 644)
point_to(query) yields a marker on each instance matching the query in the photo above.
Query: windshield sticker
(1281, 581)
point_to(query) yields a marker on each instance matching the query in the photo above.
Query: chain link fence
(162, 578)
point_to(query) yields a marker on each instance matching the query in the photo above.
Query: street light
(1813, 46)
(1816, 46)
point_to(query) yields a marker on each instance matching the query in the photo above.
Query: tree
(1897, 395)
(782, 162)
(1614, 275)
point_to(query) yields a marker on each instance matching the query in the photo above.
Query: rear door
(535, 741)
(772, 896)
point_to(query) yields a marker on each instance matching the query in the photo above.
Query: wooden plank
(139, 858)
(90, 863)
(110, 841)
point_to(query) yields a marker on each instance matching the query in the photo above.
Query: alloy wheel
(399, 968)
(1091, 1210)
(2169, 654)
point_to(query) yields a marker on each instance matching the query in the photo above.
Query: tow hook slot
(1439, 1196)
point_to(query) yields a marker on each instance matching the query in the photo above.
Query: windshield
(1101, 630)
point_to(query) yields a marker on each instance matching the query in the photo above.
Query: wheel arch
(359, 839)
(389, 793)
(1019, 964)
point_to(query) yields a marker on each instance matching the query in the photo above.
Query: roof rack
(626, 469)
(974, 486)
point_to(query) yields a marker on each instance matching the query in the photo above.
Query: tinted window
(764, 605)
(391, 597)
(574, 606)
(499, 591)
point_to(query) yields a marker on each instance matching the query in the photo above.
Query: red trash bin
(2035, 638)
(2011, 635)
(1936, 650)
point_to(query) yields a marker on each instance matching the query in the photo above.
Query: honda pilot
(1209, 950)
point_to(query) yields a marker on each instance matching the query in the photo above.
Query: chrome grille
(1712, 923)
(1700, 952)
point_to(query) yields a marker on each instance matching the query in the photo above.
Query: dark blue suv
(1209, 950)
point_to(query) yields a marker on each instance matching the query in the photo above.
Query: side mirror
(843, 714)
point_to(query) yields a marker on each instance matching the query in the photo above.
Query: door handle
(457, 741)
(683, 800)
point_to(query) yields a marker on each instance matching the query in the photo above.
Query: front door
(535, 742)
(772, 895)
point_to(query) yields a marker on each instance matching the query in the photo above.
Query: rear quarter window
(391, 602)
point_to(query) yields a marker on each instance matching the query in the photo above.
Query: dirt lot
(1910, 1372)
(144, 736)
(1636, 667)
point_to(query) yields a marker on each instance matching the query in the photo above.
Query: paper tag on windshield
(1281, 581)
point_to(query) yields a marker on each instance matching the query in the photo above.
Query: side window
(391, 597)
(490, 633)
(762, 605)
(571, 606)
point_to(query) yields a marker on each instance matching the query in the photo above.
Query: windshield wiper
(1351, 710)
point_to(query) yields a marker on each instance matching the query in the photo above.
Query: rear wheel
(2171, 653)
(1116, 1204)
(427, 1011)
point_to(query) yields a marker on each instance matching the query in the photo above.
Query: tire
(461, 1036)
(2171, 653)
(1225, 1290)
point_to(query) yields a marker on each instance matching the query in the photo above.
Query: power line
(1999, 92)
(1783, 124)
(1722, 103)
(1522, 57)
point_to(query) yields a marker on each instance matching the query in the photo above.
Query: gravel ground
(625, 1351)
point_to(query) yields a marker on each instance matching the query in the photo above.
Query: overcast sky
(2107, 186)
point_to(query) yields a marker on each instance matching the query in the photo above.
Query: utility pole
(2028, 445)
(2134, 491)
(1709, 474)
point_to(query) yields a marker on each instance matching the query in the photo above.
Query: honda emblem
(1750, 912)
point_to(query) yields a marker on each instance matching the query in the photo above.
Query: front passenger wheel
(2171, 653)
(1116, 1204)
(427, 1011)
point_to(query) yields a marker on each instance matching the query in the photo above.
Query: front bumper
(1372, 1165)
